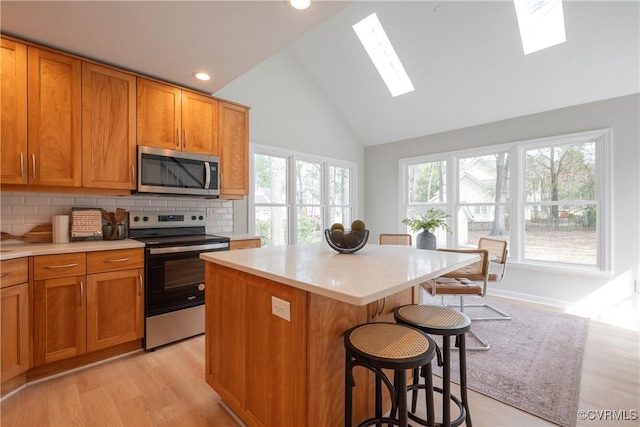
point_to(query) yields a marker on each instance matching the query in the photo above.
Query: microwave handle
(207, 174)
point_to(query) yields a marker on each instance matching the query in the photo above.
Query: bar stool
(377, 346)
(437, 320)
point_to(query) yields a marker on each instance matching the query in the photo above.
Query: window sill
(562, 269)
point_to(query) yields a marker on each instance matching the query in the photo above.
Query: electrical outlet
(281, 308)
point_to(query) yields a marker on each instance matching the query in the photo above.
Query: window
(549, 198)
(296, 196)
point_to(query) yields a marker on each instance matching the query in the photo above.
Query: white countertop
(241, 236)
(19, 250)
(372, 273)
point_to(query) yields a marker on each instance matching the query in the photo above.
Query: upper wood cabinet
(233, 136)
(108, 128)
(176, 119)
(13, 101)
(54, 146)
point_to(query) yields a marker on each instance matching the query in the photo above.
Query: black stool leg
(402, 398)
(463, 376)
(414, 393)
(446, 382)
(428, 388)
(348, 419)
(378, 399)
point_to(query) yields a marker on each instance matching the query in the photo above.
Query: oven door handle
(193, 248)
(207, 174)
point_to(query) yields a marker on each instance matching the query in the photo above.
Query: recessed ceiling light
(541, 24)
(202, 76)
(300, 4)
(384, 57)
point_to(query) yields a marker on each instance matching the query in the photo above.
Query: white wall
(289, 111)
(621, 114)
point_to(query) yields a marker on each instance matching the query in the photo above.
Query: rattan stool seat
(389, 341)
(434, 318)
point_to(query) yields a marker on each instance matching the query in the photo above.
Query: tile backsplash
(21, 211)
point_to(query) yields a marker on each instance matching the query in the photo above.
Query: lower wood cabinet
(81, 312)
(115, 310)
(14, 318)
(245, 244)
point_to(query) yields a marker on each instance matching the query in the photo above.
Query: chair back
(394, 239)
(478, 271)
(498, 251)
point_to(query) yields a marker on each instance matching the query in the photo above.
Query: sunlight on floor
(625, 314)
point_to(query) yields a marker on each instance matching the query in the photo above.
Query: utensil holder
(114, 232)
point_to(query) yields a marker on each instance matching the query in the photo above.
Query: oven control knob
(145, 218)
(193, 218)
(136, 218)
(201, 287)
(200, 217)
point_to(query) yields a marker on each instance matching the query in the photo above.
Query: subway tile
(106, 203)
(159, 203)
(50, 210)
(81, 202)
(62, 201)
(12, 219)
(189, 204)
(12, 200)
(142, 203)
(36, 200)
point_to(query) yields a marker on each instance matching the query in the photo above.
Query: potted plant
(425, 225)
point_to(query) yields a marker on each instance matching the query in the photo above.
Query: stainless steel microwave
(172, 172)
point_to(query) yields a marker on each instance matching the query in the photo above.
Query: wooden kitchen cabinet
(234, 150)
(108, 128)
(86, 302)
(59, 318)
(115, 297)
(13, 102)
(245, 244)
(53, 104)
(14, 318)
(176, 119)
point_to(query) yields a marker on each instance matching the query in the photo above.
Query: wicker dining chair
(394, 239)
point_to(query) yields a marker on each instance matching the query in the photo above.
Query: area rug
(534, 363)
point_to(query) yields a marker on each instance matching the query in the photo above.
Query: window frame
(292, 206)
(517, 196)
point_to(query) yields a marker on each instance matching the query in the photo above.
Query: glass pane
(341, 215)
(426, 182)
(564, 233)
(308, 183)
(272, 223)
(564, 172)
(271, 179)
(484, 179)
(339, 185)
(475, 222)
(310, 227)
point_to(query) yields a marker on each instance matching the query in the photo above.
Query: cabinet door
(159, 115)
(13, 102)
(54, 119)
(14, 313)
(199, 124)
(233, 139)
(59, 320)
(115, 310)
(108, 128)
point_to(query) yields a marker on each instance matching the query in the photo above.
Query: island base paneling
(274, 372)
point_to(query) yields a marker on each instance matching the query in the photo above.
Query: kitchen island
(275, 318)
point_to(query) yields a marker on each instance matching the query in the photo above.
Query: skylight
(541, 24)
(384, 57)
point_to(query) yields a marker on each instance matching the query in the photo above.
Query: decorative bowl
(343, 249)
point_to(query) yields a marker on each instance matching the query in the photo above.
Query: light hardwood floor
(167, 388)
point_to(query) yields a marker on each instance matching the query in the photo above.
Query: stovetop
(159, 229)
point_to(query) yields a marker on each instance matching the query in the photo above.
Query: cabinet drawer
(14, 271)
(245, 244)
(63, 265)
(121, 259)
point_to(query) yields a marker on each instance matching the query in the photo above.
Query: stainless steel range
(174, 272)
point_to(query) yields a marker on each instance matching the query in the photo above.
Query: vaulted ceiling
(465, 58)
